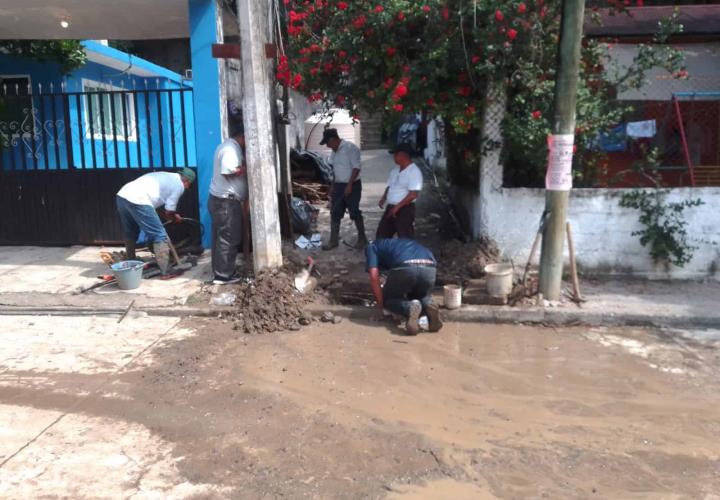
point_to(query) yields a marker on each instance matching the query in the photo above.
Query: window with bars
(109, 112)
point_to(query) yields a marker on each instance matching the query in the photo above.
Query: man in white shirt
(137, 202)
(227, 203)
(403, 187)
(346, 191)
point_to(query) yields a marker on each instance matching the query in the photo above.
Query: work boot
(362, 239)
(334, 236)
(130, 250)
(434, 321)
(412, 327)
(162, 255)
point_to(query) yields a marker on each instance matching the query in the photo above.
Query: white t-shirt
(228, 157)
(345, 160)
(155, 189)
(401, 182)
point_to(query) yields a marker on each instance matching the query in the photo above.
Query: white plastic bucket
(452, 294)
(499, 279)
(128, 273)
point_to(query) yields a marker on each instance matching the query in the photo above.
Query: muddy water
(510, 411)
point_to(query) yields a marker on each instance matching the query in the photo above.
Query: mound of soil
(270, 303)
(458, 262)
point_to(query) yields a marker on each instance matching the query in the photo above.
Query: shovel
(304, 283)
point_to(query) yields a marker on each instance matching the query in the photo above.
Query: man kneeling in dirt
(410, 279)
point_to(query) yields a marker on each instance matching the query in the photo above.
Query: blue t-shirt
(394, 252)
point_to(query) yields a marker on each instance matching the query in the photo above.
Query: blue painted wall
(62, 137)
(208, 116)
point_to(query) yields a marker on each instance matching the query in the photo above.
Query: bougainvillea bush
(439, 57)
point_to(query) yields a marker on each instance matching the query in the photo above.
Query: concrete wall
(602, 230)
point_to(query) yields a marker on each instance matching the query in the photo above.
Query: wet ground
(154, 409)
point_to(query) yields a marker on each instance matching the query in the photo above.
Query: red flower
(445, 13)
(511, 34)
(342, 5)
(313, 71)
(297, 80)
(340, 100)
(398, 107)
(426, 8)
(499, 15)
(522, 8)
(344, 68)
(388, 83)
(401, 16)
(342, 54)
(400, 91)
(328, 67)
(379, 9)
(640, 3)
(359, 22)
(465, 91)
(315, 48)
(470, 110)
(430, 102)
(390, 51)
(475, 60)
(536, 115)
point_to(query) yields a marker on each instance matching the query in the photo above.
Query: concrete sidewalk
(40, 277)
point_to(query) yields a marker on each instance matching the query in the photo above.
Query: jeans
(227, 234)
(140, 217)
(339, 203)
(403, 223)
(408, 283)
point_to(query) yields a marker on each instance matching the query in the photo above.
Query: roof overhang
(95, 19)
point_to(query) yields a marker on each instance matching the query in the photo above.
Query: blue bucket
(128, 273)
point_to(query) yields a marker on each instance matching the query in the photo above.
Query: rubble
(270, 303)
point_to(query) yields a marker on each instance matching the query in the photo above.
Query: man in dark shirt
(410, 278)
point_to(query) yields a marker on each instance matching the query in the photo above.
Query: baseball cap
(403, 147)
(328, 134)
(188, 173)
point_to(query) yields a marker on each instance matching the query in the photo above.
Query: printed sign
(559, 169)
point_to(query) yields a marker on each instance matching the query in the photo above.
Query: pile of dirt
(458, 262)
(270, 303)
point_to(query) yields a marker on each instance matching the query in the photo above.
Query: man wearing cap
(403, 187)
(228, 196)
(411, 273)
(137, 202)
(346, 190)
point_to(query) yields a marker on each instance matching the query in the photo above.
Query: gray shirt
(228, 157)
(344, 160)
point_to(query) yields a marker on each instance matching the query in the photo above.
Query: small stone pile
(270, 303)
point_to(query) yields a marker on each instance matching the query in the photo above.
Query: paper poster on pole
(559, 168)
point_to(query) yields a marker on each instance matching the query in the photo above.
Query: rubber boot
(362, 238)
(130, 250)
(334, 236)
(434, 321)
(162, 255)
(412, 327)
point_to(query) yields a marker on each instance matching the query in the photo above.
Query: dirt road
(355, 411)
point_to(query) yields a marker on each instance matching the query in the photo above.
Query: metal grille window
(16, 108)
(104, 108)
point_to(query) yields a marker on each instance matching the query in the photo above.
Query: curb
(466, 314)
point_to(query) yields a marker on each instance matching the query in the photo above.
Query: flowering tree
(439, 56)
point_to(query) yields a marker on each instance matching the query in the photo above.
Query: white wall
(602, 229)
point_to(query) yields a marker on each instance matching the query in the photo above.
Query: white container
(339, 120)
(499, 279)
(452, 294)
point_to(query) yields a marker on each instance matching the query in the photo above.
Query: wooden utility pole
(259, 143)
(558, 181)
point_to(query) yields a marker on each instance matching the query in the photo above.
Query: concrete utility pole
(260, 147)
(558, 181)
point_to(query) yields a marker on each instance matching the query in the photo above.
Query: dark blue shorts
(339, 203)
(136, 218)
